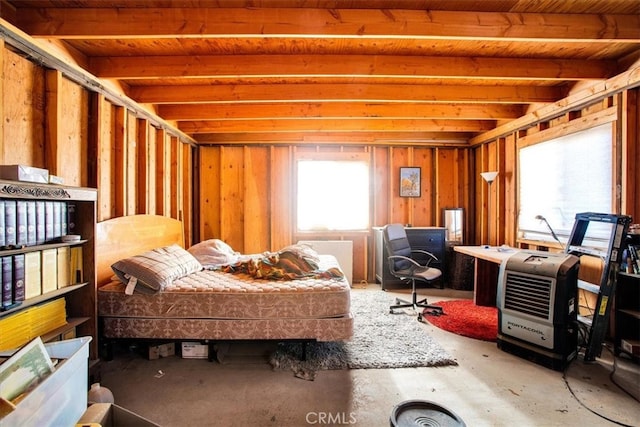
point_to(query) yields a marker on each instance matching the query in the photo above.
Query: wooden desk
(486, 268)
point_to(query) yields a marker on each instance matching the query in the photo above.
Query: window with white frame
(332, 195)
(562, 177)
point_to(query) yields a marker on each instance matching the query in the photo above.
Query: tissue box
(53, 179)
(157, 351)
(24, 173)
(194, 350)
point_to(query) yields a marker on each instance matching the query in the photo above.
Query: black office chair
(404, 267)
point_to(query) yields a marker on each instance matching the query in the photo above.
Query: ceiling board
(381, 71)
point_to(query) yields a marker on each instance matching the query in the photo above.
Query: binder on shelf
(2, 230)
(7, 281)
(10, 222)
(31, 223)
(71, 218)
(32, 275)
(63, 267)
(40, 223)
(18, 278)
(48, 221)
(64, 219)
(57, 219)
(76, 272)
(21, 222)
(49, 270)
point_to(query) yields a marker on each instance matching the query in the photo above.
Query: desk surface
(495, 254)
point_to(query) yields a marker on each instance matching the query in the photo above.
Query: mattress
(216, 295)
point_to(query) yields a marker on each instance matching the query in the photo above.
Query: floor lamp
(489, 177)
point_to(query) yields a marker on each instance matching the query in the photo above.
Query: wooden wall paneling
(481, 192)
(105, 157)
(490, 214)
(399, 207)
(445, 182)
(152, 137)
(73, 133)
(361, 255)
(166, 176)
(131, 165)
(422, 209)
(231, 197)
(24, 111)
(210, 198)
(489, 217)
(498, 222)
(468, 193)
(53, 109)
(174, 187)
(67, 125)
(160, 172)
(282, 192)
(380, 192)
(186, 174)
(511, 203)
(256, 199)
(381, 187)
(617, 154)
(120, 156)
(630, 107)
(142, 167)
(179, 178)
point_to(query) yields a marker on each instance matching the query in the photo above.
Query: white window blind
(332, 195)
(562, 177)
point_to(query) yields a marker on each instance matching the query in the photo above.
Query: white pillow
(151, 271)
(214, 253)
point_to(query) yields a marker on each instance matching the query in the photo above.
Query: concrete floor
(489, 388)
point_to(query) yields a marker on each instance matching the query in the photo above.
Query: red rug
(464, 318)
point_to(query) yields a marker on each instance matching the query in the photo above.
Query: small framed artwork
(410, 182)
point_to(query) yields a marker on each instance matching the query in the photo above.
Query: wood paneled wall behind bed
(126, 236)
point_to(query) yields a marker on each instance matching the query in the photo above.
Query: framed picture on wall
(410, 182)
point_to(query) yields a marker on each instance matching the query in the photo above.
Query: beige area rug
(381, 341)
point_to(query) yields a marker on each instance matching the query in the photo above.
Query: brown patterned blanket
(293, 262)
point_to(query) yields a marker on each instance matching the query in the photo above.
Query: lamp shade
(489, 176)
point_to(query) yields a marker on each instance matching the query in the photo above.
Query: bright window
(333, 195)
(562, 177)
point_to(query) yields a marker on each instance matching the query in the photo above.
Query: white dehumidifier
(537, 307)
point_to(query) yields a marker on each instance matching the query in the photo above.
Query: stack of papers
(20, 328)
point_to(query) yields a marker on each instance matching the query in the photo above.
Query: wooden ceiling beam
(314, 66)
(401, 137)
(328, 110)
(167, 94)
(198, 22)
(335, 125)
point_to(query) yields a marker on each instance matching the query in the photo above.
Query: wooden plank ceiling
(352, 71)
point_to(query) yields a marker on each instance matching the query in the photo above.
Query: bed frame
(127, 236)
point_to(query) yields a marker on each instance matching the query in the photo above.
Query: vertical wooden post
(120, 157)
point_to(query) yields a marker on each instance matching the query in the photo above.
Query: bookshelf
(74, 212)
(627, 316)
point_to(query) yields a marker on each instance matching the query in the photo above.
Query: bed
(212, 305)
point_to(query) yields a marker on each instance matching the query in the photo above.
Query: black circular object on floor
(422, 413)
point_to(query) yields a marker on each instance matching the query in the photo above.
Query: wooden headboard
(126, 236)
